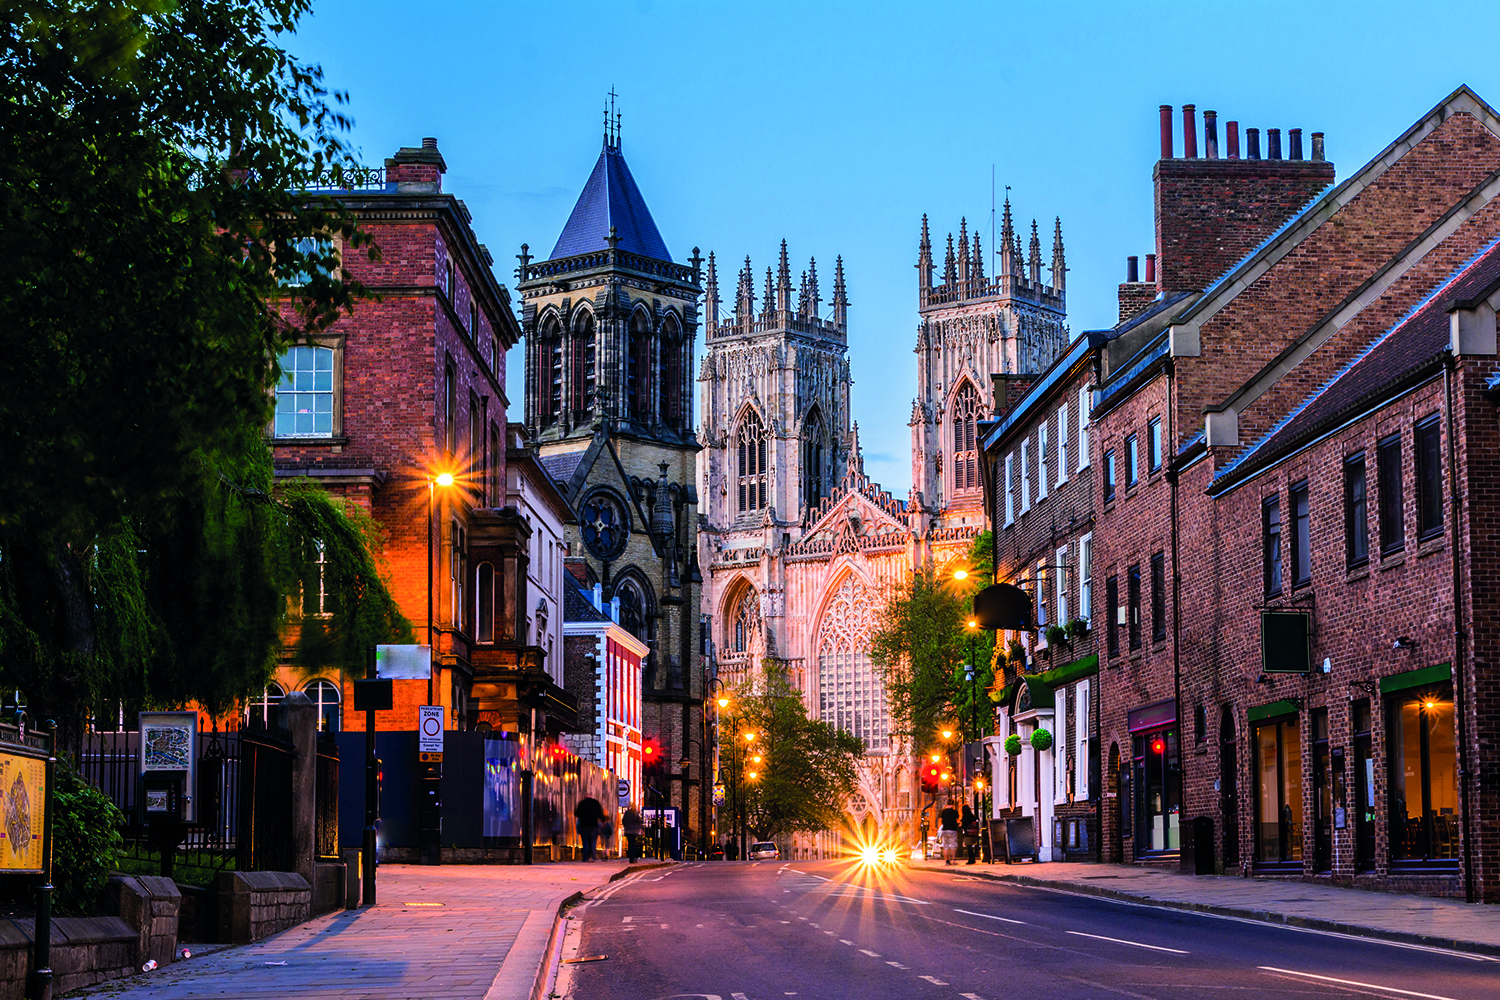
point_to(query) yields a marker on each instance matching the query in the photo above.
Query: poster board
(23, 805)
(169, 748)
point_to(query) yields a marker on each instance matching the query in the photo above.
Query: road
(837, 931)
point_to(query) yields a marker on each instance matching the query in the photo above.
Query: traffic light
(651, 757)
(931, 777)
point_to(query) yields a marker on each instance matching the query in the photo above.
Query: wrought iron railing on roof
(356, 179)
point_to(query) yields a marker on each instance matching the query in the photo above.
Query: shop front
(1156, 780)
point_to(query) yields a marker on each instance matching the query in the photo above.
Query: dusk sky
(836, 126)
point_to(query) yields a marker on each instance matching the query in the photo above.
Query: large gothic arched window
(638, 366)
(966, 414)
(584, 364)
(671, 408)
(812, 459)
(850, 693)
(635, 608)
(746, 621)
(752, 463)
(551, 363)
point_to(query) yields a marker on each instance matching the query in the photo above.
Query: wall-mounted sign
(23, 801)
(403, 663)
(169, 763)
(429, 728)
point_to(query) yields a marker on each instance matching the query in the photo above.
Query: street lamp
(432, 823)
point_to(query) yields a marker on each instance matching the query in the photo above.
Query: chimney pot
(1232, 139)
(1166, 131)
(1252, 143)
(430, 142)
(1317, 145)
(1132, 269)
(1189, 131)
(1273, 143)
(1294, 139)
(1211, 134)
(1151, 268)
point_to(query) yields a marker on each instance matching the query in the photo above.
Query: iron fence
(264, 836)
(327, 796)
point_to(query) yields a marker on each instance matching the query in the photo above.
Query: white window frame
(1083, 428)
(1041, 461)
(1025, 480)
(1081, 744)
(1000, 775)
(1132, 464)
(1060, 603)
(1060, 745)
(1010, 496)
(1086, 577)
(1062, 444)
(1041, 603)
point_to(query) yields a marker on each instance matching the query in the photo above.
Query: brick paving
(484, 942)
(1446, 923)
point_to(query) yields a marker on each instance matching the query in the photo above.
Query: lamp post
(432, 771)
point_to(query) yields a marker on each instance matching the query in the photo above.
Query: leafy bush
(85, 839)
(1018, 656)
(1056, 635)
(1012, 744)
(1041, 739)
(1078, 628)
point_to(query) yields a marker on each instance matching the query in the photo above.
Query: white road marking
(1133, 944)
(626, 920)
(934, 980)
(971, 996)
(697, 925)
(782, 922)
(899, 965)
(829, 933)
(987, 916)
(738, 996)
(793, 994)
(663, 926)
(842, 941)
(872, 954)
(1352, 982)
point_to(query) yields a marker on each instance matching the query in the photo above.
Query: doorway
(1229, 795)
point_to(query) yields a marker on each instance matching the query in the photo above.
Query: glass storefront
(1364, 788)
(1278, 792)
(1422, 777)
(1158, 787)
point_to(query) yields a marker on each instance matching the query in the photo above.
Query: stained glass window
(850, 693)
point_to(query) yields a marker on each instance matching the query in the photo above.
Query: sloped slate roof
(1403, 350)
(610, 198)
(576, 605)
(561, 466)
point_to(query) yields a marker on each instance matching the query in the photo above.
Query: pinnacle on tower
(812, 287)
(950, 272)
(744, 299)
(840, 300)
(768, 304)
(711, 296)
(924, 257)
(963, 251)
(1059, 264)
(1007, 237)
(802, 296)
(784, 282)
(1034, 261)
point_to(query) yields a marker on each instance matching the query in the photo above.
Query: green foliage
(1017, 656)
(152, 161)
(808, 769)
(85, 839)
(1078, 628)
(1013, 744)
(922, 643)
(1056, 636)
(1041, 739)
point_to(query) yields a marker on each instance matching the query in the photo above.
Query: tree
(922, 643)
(153, 161)
(808, 769)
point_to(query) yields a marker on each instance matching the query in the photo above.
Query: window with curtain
(304, 396)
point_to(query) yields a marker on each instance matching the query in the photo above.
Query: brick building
(1293, 429)
(604, 673)
(375, 408)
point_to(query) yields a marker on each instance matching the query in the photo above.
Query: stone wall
(255, 905)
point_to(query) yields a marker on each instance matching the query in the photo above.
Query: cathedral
(798, 545)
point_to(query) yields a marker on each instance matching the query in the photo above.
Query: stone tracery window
(966, 412)
(752, 463)
(552, 359)
(812, 459)
(671, 407)
(850, 693)
(584, 364)
(746, 621)
(638, 366)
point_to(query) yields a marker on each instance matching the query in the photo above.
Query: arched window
(325, 698)
(484, 603)
(966, 413)
(850, 693)
(261, 711)
(634, 609)
(752, 466)
(638, 366)
(812, 459)
(746, 620)
(671, 408)
(304, 397)
(585, 349)
(551, 363)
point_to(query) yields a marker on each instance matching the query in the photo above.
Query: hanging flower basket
(1041, 739)
(1012, 744)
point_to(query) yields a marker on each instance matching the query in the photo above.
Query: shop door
(1158, 787)
(1278, 794)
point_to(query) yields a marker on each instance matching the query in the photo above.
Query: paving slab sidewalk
(1443, 923)
(458, 932)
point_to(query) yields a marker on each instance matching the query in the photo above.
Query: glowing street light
(960, 574)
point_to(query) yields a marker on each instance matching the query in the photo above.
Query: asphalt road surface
(823, 930)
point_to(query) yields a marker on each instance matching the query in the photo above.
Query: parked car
(764, 850)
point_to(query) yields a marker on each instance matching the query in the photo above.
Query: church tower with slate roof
(610, 322)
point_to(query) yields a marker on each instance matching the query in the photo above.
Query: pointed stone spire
(1018, 257)
(802, 296)
(856, 454)
(768, 304)
(1059, 264)
(840, 300)
(812, 287)
(976, 269)
(924, 257)
(1034, 260)
(711, 297)
(744, 299)
(1007, 237)
(784, 283)
(963, 255)
(950, 270)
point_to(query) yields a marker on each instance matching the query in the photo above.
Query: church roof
(577, 607)
(610, 198)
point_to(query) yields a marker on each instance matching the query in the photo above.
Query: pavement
(458, 932)
(1390, 916)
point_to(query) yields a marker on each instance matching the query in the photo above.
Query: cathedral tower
(973, 330)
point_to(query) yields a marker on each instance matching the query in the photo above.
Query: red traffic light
(1158, 745)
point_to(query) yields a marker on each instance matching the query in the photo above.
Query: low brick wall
(328, 893)
(255, 905)
(152, 905)
(85, 951)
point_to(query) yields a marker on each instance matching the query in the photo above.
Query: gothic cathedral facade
(610, 323)
(798, 544)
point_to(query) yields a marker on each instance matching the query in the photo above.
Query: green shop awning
(1416, 678)
(1285, 706)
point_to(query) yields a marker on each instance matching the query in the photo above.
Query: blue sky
(837, 125)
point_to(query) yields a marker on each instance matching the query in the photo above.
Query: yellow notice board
(23, 805)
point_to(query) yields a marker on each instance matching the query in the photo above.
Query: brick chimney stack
(1137, 295)
(417, 170)
(1211, 211)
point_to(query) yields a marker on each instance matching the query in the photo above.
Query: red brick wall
(1135, 298)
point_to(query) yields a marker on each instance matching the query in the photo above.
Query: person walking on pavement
(970, 824)
(948, 833)
(632, 824)
(589, 814)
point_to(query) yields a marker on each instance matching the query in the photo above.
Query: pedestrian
(589, 814)
(632, 824)
(948, 833)
(970, 824)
